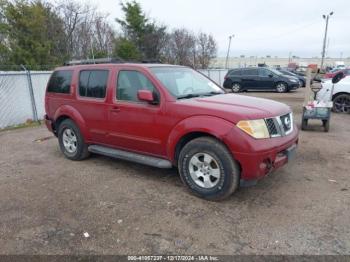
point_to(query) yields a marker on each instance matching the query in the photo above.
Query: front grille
(271, 126)
(280, 125)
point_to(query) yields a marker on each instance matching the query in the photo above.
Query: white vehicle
(341, 94)
(339, 65)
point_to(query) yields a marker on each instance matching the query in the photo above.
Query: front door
(266, 78)
(133, 122)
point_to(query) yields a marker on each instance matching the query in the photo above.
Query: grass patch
(24, 125)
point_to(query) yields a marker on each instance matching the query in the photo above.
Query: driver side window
(130, 82)
(264, 72)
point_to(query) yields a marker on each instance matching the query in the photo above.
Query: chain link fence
(22, 96)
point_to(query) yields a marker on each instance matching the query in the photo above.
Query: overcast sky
(269, 27)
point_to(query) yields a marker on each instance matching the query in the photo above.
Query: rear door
(91, 101)
(250, 78)
(266, 80)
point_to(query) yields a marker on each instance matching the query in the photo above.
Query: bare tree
(181, 48)
(87, 31)
(206, 48)
(104, 35)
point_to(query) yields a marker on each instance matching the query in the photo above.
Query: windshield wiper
(212, 93)
(188, 96)
(199, 95)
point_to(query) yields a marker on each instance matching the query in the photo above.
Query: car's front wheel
(281, 87)
(208, 169)
(341, 103)
(71, 141)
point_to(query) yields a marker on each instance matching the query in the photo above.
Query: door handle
(115, 109)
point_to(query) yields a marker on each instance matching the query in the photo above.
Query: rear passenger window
(93, 83)
(60, 82)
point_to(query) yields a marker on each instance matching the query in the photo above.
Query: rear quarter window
(60, 82)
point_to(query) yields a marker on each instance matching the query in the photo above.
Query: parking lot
(47, 202)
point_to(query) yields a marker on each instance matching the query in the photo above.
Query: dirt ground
(48, 202)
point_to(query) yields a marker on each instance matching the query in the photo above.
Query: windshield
(287, 73)
(275, 71)
(184, 82)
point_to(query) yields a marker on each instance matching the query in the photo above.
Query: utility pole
(228, 50)
(326, 17)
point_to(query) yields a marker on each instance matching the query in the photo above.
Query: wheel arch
(194, 127)
(69, 112)
(187, 138)
(340, 93)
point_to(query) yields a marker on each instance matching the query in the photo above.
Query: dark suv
(165, 116)
(258, 78)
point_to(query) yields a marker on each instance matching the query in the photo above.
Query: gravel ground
(47, 202)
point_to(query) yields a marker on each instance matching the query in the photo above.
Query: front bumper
(267, 155)
(293, 86)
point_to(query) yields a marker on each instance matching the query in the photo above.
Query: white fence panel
(217, 75)
(15, 101)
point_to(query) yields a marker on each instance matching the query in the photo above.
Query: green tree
(142, 38)
(33, 32)
(126, 49)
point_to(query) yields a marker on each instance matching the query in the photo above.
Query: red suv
(165, 116)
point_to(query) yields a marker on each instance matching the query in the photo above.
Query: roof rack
(95, 61)
(108, 61)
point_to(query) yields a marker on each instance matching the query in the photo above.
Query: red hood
(236, 107)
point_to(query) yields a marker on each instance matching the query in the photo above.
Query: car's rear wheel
(236, 87)
(208, 169)
(341, 103)
(281, 87)
(71, 141)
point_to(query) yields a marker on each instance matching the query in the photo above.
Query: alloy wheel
(204, 170)
(342, 104)
(69, 140)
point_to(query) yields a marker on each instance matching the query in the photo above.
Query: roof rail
(151, 61)
(109, 61)
(95, 61)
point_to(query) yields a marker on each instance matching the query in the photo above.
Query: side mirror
(145, 95)
(337, 77)
(270, 75)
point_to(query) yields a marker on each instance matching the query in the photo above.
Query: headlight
(254, 128)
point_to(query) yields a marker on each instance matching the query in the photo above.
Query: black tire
(228, 180)
(303, 84)
(341, 103)
(304, 124)
(236, 87)
(281, 87)
(81, 151)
